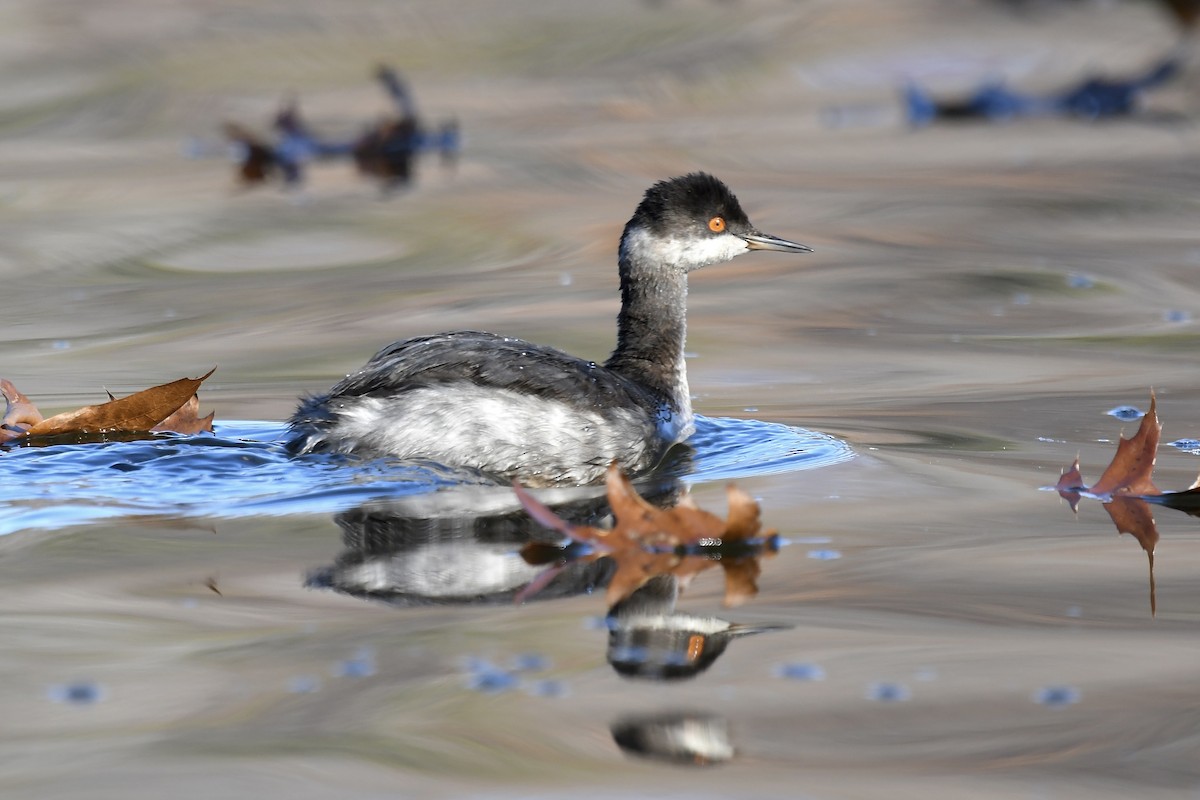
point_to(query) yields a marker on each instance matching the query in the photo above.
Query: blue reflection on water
(1056, 696)
(79, 693)
(244, 471)
(795, 671)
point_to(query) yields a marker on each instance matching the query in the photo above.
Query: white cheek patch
(713, 250)
(691, 254)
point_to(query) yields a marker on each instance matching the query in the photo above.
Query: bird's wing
(487, 360)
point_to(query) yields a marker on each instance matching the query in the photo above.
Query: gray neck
(652, 325)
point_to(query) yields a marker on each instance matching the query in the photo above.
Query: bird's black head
(695, 204)
(691, 222)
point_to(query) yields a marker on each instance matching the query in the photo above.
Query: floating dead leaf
(20, 413)
(1131, 467)
(649, 527)
(140, 411)
(187, 419)
(1070, 484)
(169, 407)
(646, 541)
(387, 150)
(258, 158)
(1129, 472)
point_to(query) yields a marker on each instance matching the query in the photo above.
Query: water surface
(978, 300)
(243, 469)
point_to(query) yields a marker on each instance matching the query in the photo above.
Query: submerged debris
(1092, 99)
(385, 151)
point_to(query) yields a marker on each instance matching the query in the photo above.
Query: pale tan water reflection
(978, 299)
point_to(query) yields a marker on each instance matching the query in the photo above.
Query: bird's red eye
(716, 224)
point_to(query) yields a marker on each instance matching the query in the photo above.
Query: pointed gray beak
(764, 241)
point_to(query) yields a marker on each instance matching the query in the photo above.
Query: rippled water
(243, 470)
(205, 618)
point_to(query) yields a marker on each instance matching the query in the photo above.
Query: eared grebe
(516, 410)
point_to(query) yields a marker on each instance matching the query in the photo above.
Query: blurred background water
(983, 292)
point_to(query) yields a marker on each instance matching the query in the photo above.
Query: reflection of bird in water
(678, 738)
(532, 413)
(648, 638)
(458, 547)
(464, 546)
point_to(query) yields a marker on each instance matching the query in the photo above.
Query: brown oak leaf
(20, 414)
(140, 411)
(1070, 484)
(187, 419)
(646, 541)
(1131, 467)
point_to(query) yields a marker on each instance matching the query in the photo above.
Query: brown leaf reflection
(1132, 515)
(647, 541)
